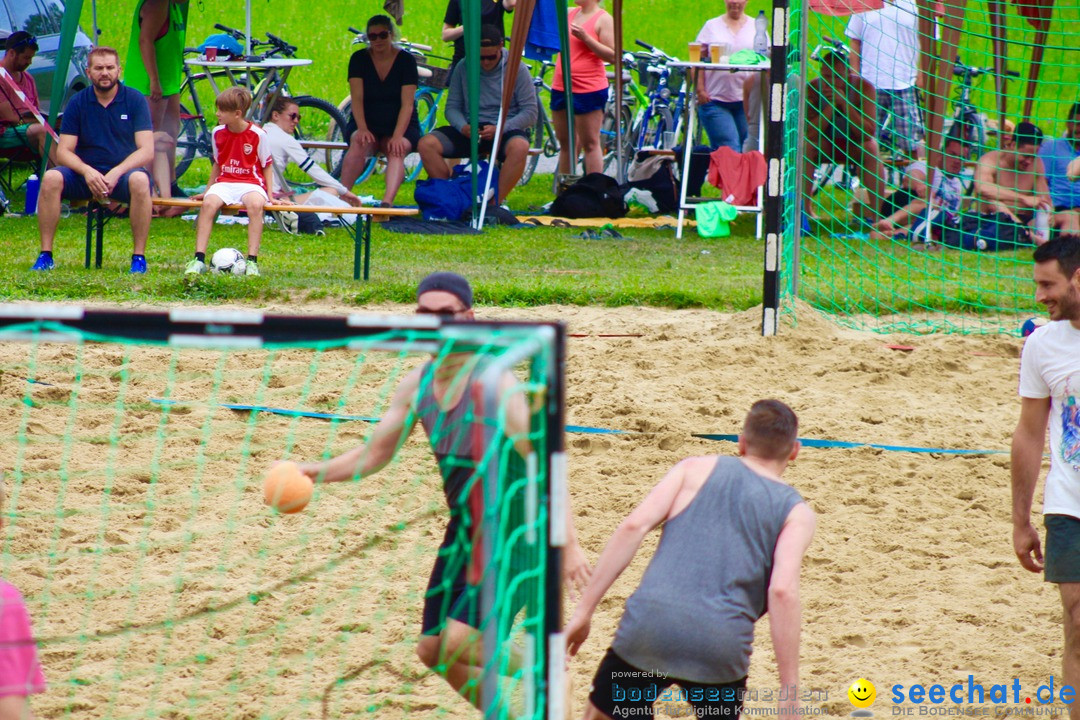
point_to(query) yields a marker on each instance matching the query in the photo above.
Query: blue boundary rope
(587, 430)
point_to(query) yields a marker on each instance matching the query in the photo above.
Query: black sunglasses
(378, 35)
(293, 116)
(489, 58)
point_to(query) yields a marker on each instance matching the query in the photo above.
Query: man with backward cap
(436, 394)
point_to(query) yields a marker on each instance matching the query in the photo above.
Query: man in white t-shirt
(1050, 394)
(885, 51)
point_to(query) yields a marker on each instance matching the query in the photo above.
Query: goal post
(159, 584)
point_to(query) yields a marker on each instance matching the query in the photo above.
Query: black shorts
(1062, 549)
(621, 690)
(456, 145)
(412, 132)
(450, 596)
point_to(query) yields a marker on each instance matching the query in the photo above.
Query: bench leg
(89, 232)
(367, 245)
(357, 246)
(100, 235)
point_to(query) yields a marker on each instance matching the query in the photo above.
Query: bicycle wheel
(608, 139)
(536, 148)
(318, 121)
(188, 144)
(338, 135)
(427, 110)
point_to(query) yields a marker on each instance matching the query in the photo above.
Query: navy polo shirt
(106, 134)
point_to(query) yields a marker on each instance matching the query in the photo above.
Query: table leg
(688, 148)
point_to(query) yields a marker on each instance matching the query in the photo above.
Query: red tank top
(586, 67)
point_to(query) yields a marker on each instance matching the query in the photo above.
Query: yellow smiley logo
(862, 693)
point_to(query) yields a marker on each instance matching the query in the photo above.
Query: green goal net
(160, 585)
(927, 147)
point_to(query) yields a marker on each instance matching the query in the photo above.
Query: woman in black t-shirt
(453, 30)
(382, 83)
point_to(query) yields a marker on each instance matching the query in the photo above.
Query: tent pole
(564, 52)
(620, 173)
(470, 17)
(68, 28)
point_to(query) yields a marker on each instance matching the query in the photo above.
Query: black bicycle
(318, 117)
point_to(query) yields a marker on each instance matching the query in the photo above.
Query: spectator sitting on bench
(1056, 155)
(453, 141)
(18, 127)
(382, 86)
(285, 148)
(905, 211)
(243, 174)
(1011, 185)
(106, 142)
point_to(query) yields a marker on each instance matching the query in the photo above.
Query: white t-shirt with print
(1050, 367)
(890, 44)
(947, 191)
(725, 85)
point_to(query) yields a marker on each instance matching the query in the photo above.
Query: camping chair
(10, 160)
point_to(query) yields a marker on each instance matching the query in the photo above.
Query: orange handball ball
(286, 489)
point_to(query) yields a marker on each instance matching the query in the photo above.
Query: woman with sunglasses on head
(285, 148)
(382, 83)
(592, 43)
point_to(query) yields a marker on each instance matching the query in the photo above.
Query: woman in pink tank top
(592, 41)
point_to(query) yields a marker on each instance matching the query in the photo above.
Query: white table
(691, 117)
(269, 88)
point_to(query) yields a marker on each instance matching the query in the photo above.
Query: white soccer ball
(228, 260)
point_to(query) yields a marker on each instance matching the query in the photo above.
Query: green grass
(508, 266)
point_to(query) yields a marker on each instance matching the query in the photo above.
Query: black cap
(491, 36)
(20, 39)
(447, 282)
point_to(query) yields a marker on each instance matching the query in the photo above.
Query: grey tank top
(692, 618)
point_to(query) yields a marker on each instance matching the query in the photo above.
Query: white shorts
(232, 193)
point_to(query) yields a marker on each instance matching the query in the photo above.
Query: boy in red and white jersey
(243, 173)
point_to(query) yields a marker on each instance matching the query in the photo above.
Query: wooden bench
(97, 214)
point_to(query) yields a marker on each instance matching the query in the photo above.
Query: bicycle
(544, 142)
(433, 83)
(971, 125)
(318, 116)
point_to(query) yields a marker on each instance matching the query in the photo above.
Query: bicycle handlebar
(231, 31)
(281, 44)
(645, 45)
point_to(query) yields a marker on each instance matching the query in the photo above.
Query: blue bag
(225, 44)
(449, 199)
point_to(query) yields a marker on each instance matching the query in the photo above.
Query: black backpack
(593, 196)
(660, 181)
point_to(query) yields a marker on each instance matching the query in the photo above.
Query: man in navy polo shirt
(106, 142)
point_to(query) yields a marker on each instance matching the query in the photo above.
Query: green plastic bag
(713, 218)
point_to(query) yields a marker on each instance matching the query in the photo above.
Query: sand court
(156, 589)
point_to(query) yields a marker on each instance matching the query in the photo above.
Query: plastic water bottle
(32, 187)
(1042, 223)
(761, 34)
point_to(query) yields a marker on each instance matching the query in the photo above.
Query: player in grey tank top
(732, 546)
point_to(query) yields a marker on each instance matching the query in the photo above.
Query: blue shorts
(1062, 549)
(75, 187)
(584, 103)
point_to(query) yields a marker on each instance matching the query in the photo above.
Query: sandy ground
(157, 589)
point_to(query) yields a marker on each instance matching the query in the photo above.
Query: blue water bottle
(32, 187)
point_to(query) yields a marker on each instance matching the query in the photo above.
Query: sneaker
(44, 262)
(138, 265)
(252, 269)
(195, 267)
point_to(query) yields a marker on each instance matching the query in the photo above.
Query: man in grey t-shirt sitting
(732, 545)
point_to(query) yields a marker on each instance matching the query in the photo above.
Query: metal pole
(247, 28)
(620, 174)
